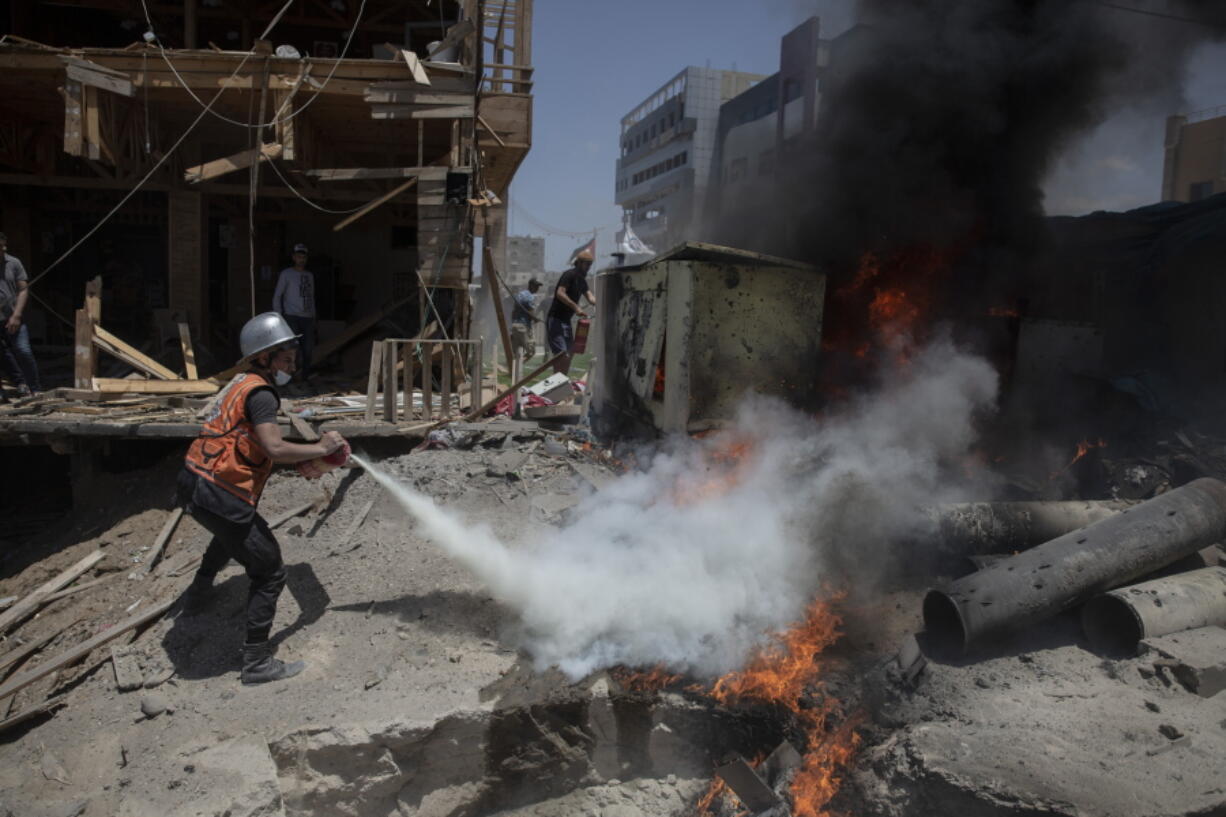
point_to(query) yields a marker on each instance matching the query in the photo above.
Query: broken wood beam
(13, 616)
(163, 537)
(382, 111)
(372, 379)
(98, 76)
(523, 381)
(130, 355)
(38, 709)
(415, 67)
(345, 174)
(386, 197)
(481, 121)
(229, 164)
(84, 360)
(745, 783)
(111, 385)
(352, 530)
(488, 275)
(77, 588)
(189, 353)
(298, 510)
(75, 654)
(14, 657)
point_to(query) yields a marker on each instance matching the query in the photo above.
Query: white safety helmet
(265, 331)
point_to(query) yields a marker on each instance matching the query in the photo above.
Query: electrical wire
(277, 118)
(156, 166)
(1162, 14)
(318, 207)
(552, 230)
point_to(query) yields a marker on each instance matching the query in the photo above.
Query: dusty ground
(415, 702)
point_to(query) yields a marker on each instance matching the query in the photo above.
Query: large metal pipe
(972, 528)
(1066, 571)
(1116, 622)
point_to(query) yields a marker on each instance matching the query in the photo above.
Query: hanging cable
(277, 118)
(156, 166)
(318, 207)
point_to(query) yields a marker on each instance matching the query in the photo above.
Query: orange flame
(785, 674)
(1084, 447)
(653, 681)
(726, 456)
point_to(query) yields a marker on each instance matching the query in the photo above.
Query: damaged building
(900, 498)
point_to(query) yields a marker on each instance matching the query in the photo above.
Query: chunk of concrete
(128, 675)
(1197, 658)
(745, 783)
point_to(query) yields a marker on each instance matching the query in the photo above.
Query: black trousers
(253, 546)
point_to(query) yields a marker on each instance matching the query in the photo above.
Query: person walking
(294, 298)
(223, 477)
(16, 356)
(572, 287)
(523, 315)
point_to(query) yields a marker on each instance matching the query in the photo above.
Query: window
(791, 91)
(684, 156)
(1200, 190)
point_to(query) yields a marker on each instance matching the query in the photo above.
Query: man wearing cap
(16, 356)
(523, 315)
(223, 476)
(571, 287)
(294, 298)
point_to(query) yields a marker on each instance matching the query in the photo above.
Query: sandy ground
(414, 695)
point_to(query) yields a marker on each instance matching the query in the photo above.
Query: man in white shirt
(294, 298)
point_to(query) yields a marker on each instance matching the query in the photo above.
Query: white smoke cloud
(651, 573)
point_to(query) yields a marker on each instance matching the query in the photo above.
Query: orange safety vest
(227, 452)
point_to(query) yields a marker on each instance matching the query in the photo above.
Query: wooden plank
(84, 360)
(38, 709)
(523, 381)
(93, 123)
(389, 381)
(278, 521)
(415, 68)
(229, 164)
(14, 657)
(71, 656)
(386, 197)
(77, 588)
(406, 365)
(74, 108)
(355, 329)
(416, 98)
(356, 524)
(304, 429)
(189, 354)
(93, 298)
(344, 174)
(98, 76)
(487, 278)
(491, 131)
(159, 544)
(445, 409)
(134, 357)
(379, 111)
(111, 385)
(372, 380)
(13, 616)
(427, 382)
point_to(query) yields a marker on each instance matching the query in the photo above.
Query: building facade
(667, 144)
(525, 259)
(759, 129)
(1195, 163)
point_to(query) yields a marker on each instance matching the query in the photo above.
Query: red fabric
(506, 406)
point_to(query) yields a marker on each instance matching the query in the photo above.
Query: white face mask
(281, 378)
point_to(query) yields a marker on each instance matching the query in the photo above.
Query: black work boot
(197, 596)
(259, 667)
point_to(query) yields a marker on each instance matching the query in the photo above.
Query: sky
(596, 60)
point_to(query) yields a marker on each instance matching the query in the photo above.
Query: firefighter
(222, 478)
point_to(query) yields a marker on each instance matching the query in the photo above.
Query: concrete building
(759, 128)
(525, 258)
(667, 144)
(1195, 163)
